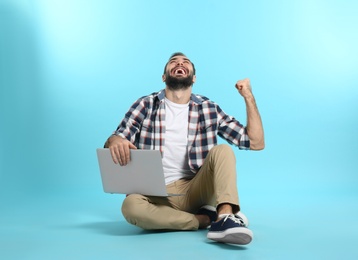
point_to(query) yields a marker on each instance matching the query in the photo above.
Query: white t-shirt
(175, 154)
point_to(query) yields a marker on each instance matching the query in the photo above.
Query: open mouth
(179, 71)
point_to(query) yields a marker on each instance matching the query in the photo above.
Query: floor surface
(318, 226)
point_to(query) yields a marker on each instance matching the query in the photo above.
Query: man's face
(179, 73)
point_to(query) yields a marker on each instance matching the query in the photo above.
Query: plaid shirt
(144, 126)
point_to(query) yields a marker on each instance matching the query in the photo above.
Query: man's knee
(223, 150)
(130, 209)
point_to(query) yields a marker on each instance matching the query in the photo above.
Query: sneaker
(243, 219)
(208, 210)
(231, 230)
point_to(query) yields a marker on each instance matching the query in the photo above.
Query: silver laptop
(142, 175)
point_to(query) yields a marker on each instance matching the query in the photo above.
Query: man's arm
(254, 126)
(130, 125)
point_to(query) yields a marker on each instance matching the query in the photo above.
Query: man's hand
(119, 148)
(244, 88)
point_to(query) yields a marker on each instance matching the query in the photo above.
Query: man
(184, 127)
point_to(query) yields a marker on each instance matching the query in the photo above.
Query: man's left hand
(244, 88)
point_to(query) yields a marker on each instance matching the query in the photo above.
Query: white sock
(223, 216)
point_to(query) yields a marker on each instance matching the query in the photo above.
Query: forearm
(131, 123)
(126, 130)
(254, 124)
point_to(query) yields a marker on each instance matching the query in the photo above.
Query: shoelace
(234, 218)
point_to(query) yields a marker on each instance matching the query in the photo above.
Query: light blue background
(69, 70)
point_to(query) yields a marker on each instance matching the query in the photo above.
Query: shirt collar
(193, 98)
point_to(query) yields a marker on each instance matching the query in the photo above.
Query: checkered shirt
(144, 126)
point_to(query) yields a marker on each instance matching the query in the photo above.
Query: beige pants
(214, 184)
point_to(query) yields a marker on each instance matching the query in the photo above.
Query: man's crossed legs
(214, 184)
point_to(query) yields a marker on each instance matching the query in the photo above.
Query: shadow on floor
(113, 228)
(122, 228)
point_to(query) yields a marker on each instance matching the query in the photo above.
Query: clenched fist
(244, 88)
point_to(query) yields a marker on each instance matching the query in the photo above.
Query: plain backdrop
(69, 70)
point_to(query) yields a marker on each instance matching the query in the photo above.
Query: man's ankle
(224, 209)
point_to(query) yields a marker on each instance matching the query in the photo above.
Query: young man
(184, 127)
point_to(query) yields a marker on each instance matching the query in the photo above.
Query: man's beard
(174, 83)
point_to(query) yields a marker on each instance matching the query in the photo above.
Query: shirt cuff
(120, 135)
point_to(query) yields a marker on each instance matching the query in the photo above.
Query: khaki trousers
(214, 184)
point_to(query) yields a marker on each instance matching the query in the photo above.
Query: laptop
(142, 175)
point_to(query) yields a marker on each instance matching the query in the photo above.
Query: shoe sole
(239, 236)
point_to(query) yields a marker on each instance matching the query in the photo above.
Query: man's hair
(178, 54)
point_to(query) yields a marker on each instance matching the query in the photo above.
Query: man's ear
(163, 78)
(194, 79)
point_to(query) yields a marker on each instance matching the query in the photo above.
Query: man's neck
(178, 96)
